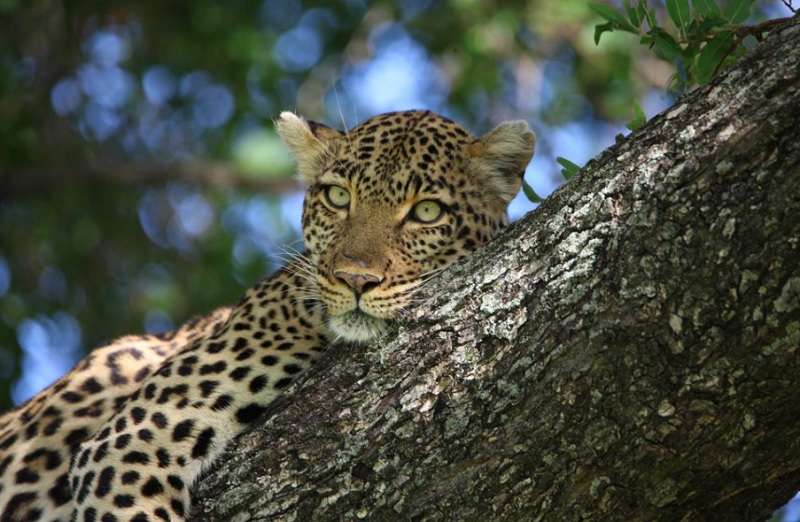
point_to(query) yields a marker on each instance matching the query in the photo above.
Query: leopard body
(125, 434)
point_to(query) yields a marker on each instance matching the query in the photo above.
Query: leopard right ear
(500, 156)
(310, 142)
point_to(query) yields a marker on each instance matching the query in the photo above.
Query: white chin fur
(356, 326)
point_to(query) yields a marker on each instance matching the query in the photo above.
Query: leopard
(125, 435)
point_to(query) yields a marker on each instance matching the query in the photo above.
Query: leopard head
(394, 200)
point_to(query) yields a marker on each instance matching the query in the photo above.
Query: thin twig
(758, 31)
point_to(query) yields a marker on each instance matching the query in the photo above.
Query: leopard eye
(426, 211)
(337, 196)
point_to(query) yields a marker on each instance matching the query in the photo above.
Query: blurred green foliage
(141, 182)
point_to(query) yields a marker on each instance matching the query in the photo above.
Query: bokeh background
(141, 181)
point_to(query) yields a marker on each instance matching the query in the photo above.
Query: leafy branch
(708, 39)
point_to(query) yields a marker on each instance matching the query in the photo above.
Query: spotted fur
(125, 434)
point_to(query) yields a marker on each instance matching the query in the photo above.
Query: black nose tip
(367, 287)
(360, 283)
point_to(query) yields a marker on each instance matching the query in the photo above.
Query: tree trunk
(629, 351)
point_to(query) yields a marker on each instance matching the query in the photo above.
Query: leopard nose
(360, 283)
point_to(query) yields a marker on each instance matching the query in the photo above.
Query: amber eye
(337, 196)
(426, 211)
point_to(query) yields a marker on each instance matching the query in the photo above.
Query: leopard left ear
(499, 158)
(310, 142)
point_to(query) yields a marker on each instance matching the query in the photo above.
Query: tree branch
(21, 181)
(627, 352)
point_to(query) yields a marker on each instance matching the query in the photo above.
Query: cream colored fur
(309, 147)
(500, 156)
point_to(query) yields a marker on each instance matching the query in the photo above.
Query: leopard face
(393, 201)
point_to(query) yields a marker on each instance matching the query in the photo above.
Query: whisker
(344, 123)
(308, 296)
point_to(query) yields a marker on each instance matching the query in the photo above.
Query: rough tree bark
(629, 351)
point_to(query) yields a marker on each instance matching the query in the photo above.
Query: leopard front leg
(122, 477)
(138, 471)
(142, 464)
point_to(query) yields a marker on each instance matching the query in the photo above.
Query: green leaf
(530, 193)
(665, 45)
(712, 54)
(646, 14)
(706, 8)
(569, 169)
(737, 11)
(710, 23)
(614, 20)
(639, 118)
(641, 11)
(691, 50)
(610, 14)
(599, 29)
(679, 12)
(633, 14)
